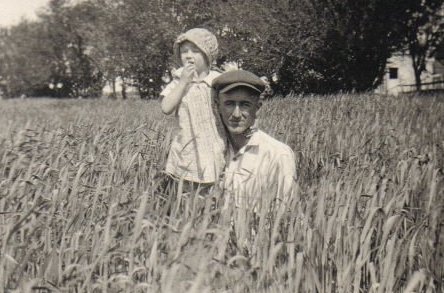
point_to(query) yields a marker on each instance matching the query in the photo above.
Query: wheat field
(81, 209)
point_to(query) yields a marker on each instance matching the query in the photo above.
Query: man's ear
(259, 106)
(215, 97)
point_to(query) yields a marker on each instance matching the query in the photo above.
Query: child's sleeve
(169, 87)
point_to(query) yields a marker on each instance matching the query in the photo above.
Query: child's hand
(188, 73)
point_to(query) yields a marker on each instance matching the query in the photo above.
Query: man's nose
(237, 111)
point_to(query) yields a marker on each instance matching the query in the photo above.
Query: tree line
(307, 46)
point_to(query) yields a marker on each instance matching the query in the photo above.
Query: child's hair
(203, 39)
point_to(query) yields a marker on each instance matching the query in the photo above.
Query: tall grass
(81, 211)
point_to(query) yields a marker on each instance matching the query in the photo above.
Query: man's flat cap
(231, 79)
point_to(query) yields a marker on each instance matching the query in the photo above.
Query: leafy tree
(67, 31)
(50, 56)
(138, 38)
(320, 46)
(104, 52)
(23, 66)
(425, 35)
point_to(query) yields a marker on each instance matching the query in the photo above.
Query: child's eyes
(196, 51)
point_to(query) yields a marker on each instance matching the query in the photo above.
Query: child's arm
(173, 98)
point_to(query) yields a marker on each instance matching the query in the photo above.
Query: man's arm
(286, 174)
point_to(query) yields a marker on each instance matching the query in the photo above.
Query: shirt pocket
(247, 168)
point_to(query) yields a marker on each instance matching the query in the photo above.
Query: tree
(320, 46)
(103, 51)
(23, 66)
(425, 35)
(137, 41)
(68, 31)
(50, 56)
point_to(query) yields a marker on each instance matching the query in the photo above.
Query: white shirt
(263, 169)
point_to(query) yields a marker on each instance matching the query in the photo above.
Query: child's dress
(197, 149)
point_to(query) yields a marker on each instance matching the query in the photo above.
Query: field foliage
(81, 209)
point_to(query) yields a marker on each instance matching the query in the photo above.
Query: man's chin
(236, 130)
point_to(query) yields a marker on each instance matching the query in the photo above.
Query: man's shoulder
(269, 144)
(211, 76)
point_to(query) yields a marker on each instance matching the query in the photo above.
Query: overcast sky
(11, 11)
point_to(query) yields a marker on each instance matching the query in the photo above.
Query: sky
(12, 11)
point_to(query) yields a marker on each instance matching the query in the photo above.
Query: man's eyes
(241, 104)
(229, 103)
(245, 104)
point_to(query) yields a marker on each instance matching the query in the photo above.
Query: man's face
(238, 108)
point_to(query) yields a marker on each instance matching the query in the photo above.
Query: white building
(400, 76)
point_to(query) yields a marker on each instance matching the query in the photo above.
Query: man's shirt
(263, 169)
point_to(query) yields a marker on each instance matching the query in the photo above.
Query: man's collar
(252, 145)
(254, 138)
(251, 134)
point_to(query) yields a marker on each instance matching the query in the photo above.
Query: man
(259, 176)
(256, 162)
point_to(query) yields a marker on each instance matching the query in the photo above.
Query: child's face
(190, 53)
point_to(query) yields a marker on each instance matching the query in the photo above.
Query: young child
(197, 149)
